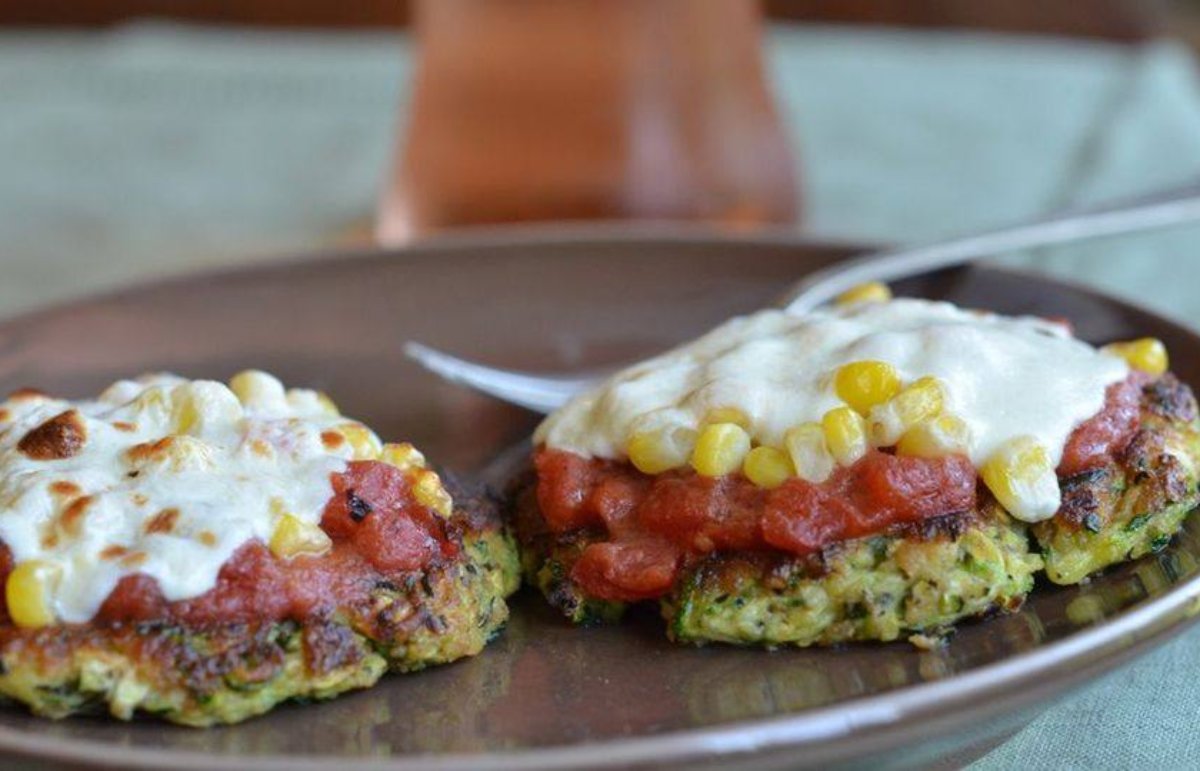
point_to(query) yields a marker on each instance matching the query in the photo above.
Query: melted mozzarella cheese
(1005, 377)
(173, 476)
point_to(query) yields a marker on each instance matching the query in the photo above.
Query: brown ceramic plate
(545, 694)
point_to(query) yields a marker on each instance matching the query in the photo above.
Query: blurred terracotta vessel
(588, 109)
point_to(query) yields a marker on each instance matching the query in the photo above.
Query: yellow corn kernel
(1147, 354)
(427, 489)
(1021, 477)
(121, 392)
(871, 292)
(362, 441)
(181, 453)
(653, 452)
(768, 467)
(720, 449)
(845, 435)
(184, 416)
(810, 456)
(152, 403)
(293, 537)
(327, 404)
(403, 456)
(728, 415)
(258, 389)
(915, 404)
(27, 593)
(172, 453)
(201, 404)
(938, 437)
(305, 402)
(865, 384)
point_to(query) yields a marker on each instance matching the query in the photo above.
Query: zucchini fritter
(228, 673)
(919, 580)
(877, 588)
(203, 551)
(1135, 504)
(913, 579)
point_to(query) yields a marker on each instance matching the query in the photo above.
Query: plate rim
(1003, 687)
(465, 238)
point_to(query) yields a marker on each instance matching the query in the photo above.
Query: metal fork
(546, 393)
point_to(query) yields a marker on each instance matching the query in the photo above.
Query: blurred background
(145, 137)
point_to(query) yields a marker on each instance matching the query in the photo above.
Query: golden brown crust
(1170, 399)
(62, 436)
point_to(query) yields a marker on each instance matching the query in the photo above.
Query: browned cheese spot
(72, 519)
(26, 394)
(150, 450)
(62, 436)
(113, 552)
(163, 522)
(207, 538)
(260, 448)
(122, 425)
(50, 540)
(332, 439)
(133, 559)
(4, 414)
(139, 499)
(65, 489)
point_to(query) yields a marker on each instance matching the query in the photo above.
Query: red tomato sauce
(1093, 442)
(379, 531)
(657, 524)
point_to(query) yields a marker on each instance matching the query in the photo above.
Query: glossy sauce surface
(394, 535)
(657, 524)
(1109, 430)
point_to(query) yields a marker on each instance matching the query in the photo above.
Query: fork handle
(1164, 209)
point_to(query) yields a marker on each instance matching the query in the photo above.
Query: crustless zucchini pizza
(882, 468)
(203, 552)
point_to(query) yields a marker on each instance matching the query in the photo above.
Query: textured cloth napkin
(155, 149)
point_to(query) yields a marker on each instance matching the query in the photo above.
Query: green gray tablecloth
(154, 149)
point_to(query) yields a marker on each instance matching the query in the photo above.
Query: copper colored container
(529, 110)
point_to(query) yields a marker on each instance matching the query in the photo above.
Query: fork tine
(539, 393)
